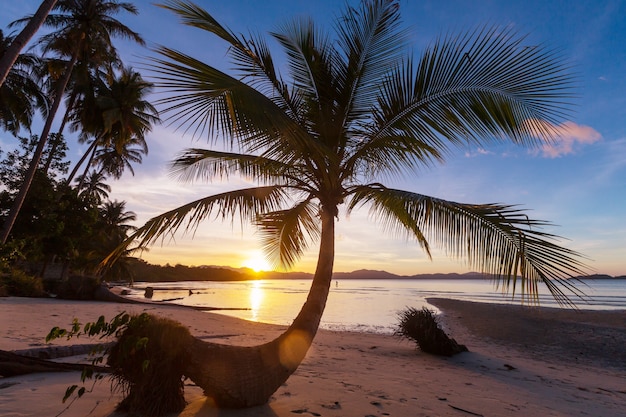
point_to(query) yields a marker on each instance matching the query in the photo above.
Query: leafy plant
(422, 327)
(100, 328)
(149, 352)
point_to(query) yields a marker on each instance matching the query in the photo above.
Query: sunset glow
(257, 263)
(583, 200)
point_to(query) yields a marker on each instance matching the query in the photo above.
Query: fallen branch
(466, 411)
(12, 364)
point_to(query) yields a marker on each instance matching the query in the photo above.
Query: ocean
(364, 305)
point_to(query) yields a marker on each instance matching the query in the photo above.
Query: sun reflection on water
(257, 294)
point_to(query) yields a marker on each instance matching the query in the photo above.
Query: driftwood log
(12, 364)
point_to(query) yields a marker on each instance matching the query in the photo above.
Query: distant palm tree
(83, 26)
(115, 161)
(21, 95)
(355, 109)
(94, 187)
(116, 122)
(116, 220)
(115, 229)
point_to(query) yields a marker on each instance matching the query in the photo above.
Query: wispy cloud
(565, 138)
(479, 151)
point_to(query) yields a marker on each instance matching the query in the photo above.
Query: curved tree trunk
(34, 163)
(91, 151)
(33, 25)
(237, 376)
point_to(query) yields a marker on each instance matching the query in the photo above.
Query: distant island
(146, 272)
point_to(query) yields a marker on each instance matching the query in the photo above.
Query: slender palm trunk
(236, 376)
(30, 173)
(87, 166)
(91, 151)
(13, 51)
(59, 135)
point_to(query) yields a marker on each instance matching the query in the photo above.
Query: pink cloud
(565, 138)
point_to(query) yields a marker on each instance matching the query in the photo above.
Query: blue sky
(579, 184)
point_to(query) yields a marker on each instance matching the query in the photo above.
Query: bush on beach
(422, 327)
(147, 361)
(18, 283)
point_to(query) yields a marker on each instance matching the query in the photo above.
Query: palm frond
(478, 87)
(389, 155)
(372, 43)
(498, 239)
(287, 233)
(309, 57)
(252, 57)
(395, 216)
(209, 101)
(245, 203)
(205, 164)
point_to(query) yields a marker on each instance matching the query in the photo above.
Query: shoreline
(361, 374)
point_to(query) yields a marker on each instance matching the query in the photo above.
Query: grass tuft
(421, 326)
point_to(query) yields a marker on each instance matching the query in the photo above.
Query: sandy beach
(522, 362)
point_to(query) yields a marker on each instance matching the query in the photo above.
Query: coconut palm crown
(356, 108)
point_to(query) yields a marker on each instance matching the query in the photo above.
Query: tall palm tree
(354, 109)
(85, 26)
(8, 59)
(117, 122)
(20, 95)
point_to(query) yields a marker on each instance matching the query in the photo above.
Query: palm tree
(114, 230)
(8, 59)
(94, 187)
(84, 26)
(355, 109)
(20, 94)
(116, 219)
(118, 124)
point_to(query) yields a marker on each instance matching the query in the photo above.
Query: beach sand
(522, 362)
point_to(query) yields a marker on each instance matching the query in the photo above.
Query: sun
(257, 263)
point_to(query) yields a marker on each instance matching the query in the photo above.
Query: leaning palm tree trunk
(237, 376)
(90, 152)
(57, 139)
(8, 59)
(32, 168)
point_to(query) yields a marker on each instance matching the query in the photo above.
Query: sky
(578, 183)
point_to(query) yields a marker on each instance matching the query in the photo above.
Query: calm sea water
(358, 305)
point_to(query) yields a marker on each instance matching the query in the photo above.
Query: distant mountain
(602, 276)
(366, 274)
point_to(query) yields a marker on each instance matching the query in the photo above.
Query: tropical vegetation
(50, 220)
(354, 108)
(71, 228)
(81, 47)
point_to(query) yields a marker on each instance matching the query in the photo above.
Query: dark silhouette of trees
(85, 29)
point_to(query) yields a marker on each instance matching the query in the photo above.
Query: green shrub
(422, 327)
(17, 283)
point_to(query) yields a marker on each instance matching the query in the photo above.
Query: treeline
(142, 271)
